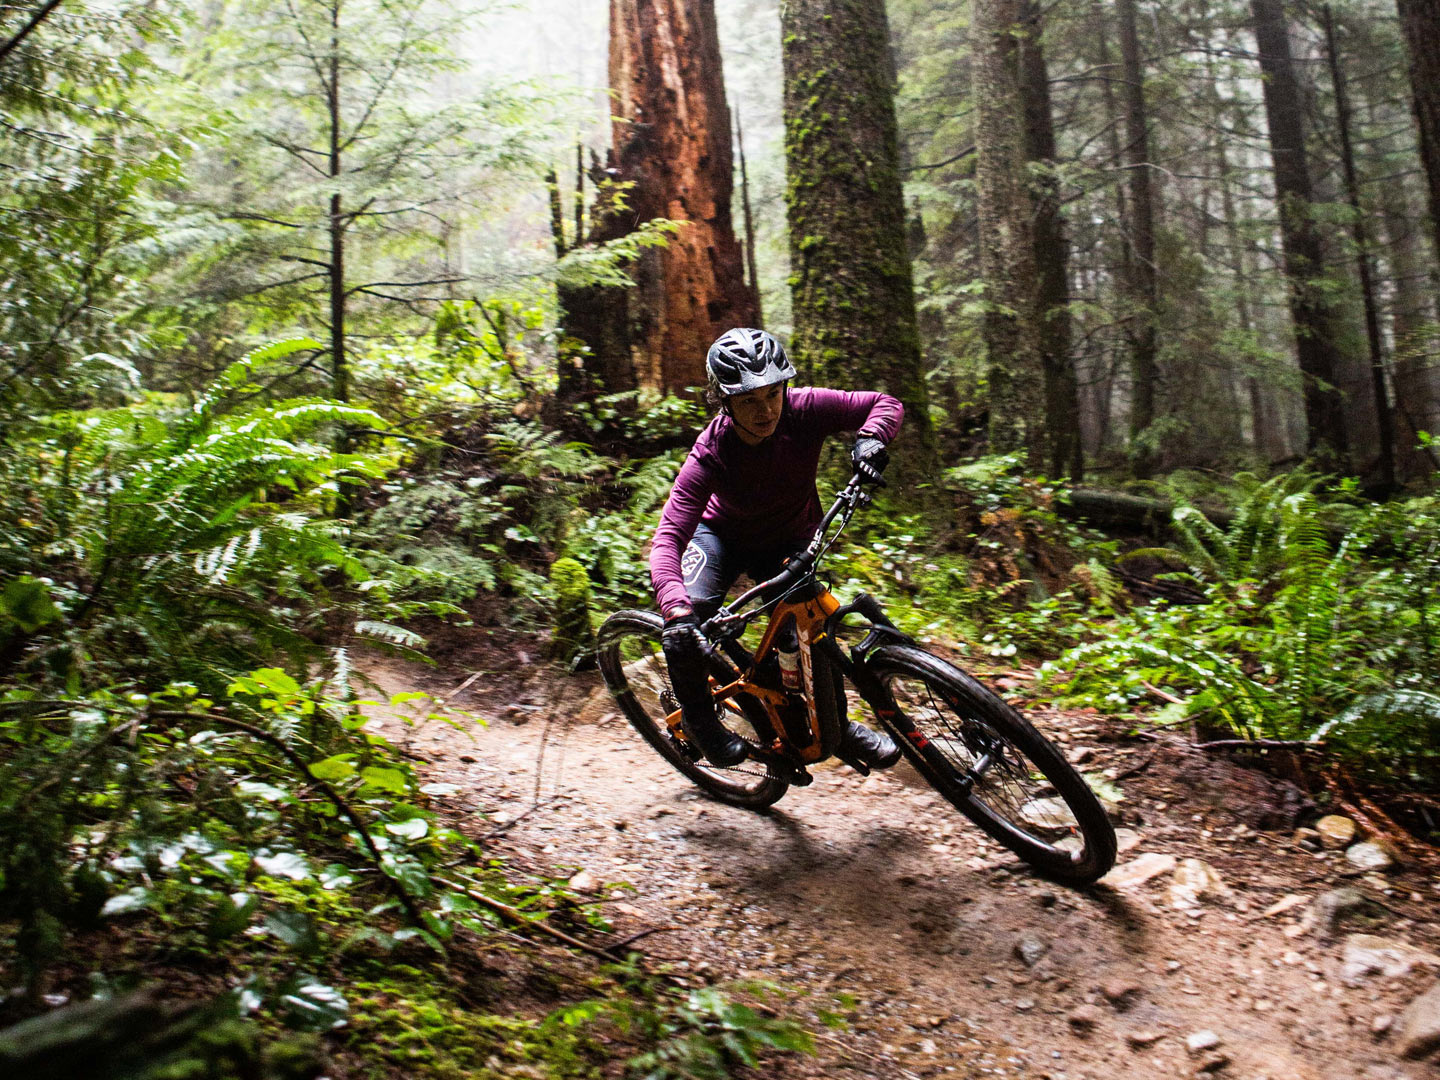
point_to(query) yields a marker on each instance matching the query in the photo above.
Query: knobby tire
(946, 724)
(631, 640)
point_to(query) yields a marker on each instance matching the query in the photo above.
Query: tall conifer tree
(854, 303)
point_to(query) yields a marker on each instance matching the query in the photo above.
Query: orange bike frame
(810, 616)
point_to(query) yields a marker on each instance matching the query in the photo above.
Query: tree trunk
(1359, 233)
(672, 140)
(1140, 229)
(1420, 23)
(1310, 308)
(1417, 403)
(1007, 251)
(854, 302)
(1052, 257)
(749, 225)
(339, 365)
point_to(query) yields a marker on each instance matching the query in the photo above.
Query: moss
(572, 638)
(418, 1024)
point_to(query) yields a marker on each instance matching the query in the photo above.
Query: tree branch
(35, 20)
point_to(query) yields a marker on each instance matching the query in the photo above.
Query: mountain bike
(987, 760)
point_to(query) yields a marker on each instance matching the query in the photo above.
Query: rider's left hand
(869, 457)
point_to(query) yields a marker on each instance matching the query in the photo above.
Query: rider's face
(758, 412)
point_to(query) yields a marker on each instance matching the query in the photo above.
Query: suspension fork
(889, 713)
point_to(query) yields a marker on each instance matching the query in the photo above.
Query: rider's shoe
(874, 748)
(719, 744)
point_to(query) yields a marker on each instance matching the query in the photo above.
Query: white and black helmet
(742, 360)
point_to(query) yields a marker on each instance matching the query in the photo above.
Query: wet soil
(932, 950)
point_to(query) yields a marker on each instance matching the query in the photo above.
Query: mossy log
(141, 1037)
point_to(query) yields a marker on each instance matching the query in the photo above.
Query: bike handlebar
(850, 497)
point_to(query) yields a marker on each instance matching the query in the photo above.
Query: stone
(1368, 855)
(1213, 1063)
(584, 881)
(1126, 840)
(1366, 954)
(1417, 1031)
(1335, 831)
(1200, 1041)
(1138, 1040)
(1025, 1004)
(1140, 870)
(1194, 881)
(1081, 754)
(1284, 904)
(1381, 1024)
(1083, 1019)
(1120, 993)
(1048, 814)
(1332, 907)
(1030, 949)
(1309, 839)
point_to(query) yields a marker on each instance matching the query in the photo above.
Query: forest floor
(1219, 946)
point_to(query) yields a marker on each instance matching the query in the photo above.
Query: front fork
(857, 669)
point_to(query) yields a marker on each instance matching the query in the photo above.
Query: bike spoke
(994, 769)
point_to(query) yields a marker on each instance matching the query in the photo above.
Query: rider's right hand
(869, 457)
(682, 633)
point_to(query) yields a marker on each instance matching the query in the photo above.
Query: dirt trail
(877, 901)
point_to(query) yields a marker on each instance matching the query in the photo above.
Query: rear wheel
(633, 664)
(993, 766)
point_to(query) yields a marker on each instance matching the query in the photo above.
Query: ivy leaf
(414, 829)
(310, 1005)
(408, 872)
(284, 864)
(376, 778)
(336, 876)
(136, 899)
(336, 767)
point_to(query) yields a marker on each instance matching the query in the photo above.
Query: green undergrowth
(1311, 615)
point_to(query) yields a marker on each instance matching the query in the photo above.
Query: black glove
(682, 636)
(870, 458)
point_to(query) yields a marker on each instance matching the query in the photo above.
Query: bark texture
(1420, 23)
(1311, 309)
(854, 302)
(671, 138)
(1052, 256)
(1359, 232)
(1140, 228)
(1007, 252)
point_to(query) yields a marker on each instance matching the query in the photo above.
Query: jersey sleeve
(865, 412)
(682, 513)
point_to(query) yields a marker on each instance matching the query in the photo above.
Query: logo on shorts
(692, 562)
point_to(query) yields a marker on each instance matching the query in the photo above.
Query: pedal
(691, 753)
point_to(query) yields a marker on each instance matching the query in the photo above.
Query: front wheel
(993, 766)
(633, 664)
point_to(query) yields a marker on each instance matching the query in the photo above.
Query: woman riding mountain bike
(745, 501)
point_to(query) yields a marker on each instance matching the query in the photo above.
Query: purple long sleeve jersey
(758, 497)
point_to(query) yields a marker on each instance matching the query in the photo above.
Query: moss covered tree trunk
(1052, 256)
(1007, 254)
(672, 140)
(854, 302)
